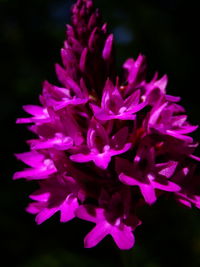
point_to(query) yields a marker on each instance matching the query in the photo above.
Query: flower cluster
(106, 145)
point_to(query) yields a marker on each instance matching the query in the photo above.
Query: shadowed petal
(129, 180)
(89, 213)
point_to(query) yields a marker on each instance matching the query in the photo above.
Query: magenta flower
(113, 106)
(56, 194)
(146, 174)
(58, 97)
(42, 166)
(40, 115)
(106, 145)
(113, 221)
(100, 148)
(167, 118)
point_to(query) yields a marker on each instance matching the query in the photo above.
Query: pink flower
(100, 148)
(167, 118)
(114, 221)
(55, 194)
(146, 174)
(113, 106)
(41, 167)
(106, 145)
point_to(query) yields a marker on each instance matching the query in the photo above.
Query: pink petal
(34, 110)
(40, 196)
(194, 157)
(124, 237)
(96, 234)
(171, 98)
(185, 202)
(180, 136)
(168, 168)
(170, 186)
(187, 129)
(45, 214)
(102, 115)
(102, 160)
(129, 180)
(82, 157)
(162, 83)
(66, 102)
(33, 158)
(59, 142)
(95, 108)
(148, 193)
(34, 174)
(68, 208)
(155, 115)
(35, 207)
(147, 190)
(74, 86)
(89, 213)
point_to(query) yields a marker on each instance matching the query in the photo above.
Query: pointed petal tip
(16, 176)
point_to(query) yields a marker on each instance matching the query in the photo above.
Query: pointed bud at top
(84, 18)
(108, 47)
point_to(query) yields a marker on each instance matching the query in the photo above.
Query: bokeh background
(32, 33)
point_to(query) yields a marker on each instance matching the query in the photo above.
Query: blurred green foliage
(32, 33)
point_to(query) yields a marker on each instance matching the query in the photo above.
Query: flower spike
(105, 145)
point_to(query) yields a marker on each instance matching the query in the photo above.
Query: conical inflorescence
(106, 145)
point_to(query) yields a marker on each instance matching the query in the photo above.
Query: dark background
(31, 35)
